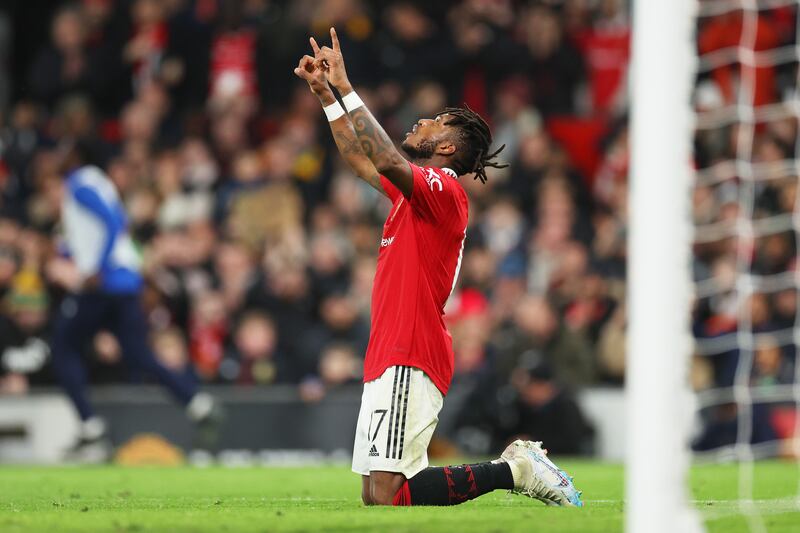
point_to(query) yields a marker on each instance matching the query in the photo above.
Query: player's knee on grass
(383, 487)
(366, 497)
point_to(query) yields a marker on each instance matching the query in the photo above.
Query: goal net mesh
(746, 210)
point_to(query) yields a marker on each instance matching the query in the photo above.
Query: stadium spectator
(171, 350)
(254, 358)
(65, 66)
(208, 329)
(338, 365)
(536, 325)
(555, 66)
(24, 333)
(546, 410)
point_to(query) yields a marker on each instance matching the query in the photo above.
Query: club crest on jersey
(386, 241)
(433, 179)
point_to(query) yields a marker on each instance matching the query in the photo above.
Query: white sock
(93, 428)
(515, 471)
(200, 406)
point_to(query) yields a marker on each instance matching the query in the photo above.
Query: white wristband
(333, 111)
(352, 101)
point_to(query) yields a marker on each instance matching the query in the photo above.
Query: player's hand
(63, 273)
(314, 76)
(331, 62)
(92, 283)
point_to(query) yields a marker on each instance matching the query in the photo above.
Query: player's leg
(130, 328)
(78, 320)
(366, 498)
(405, 412)
(384, 486)
(361, 444)
(523, 469)
(403, 427)
(400, 475)
(448, 485)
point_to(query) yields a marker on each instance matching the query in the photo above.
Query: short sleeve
(432, 192)
(391, 191)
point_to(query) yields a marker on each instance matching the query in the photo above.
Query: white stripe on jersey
(458, 264)
(85, 235)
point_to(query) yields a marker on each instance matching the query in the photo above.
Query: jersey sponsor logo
(386, 241)
(433, 179)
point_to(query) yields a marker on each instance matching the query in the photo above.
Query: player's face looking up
(428, 137)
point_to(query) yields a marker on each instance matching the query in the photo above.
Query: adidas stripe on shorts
(399, 412)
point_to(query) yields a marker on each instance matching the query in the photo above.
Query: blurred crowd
(259, 245)
(745, 254)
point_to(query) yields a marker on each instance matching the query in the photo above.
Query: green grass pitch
(327, 499)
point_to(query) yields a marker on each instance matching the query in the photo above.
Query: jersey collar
(450, 172)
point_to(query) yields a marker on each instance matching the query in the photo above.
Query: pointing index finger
(314, 45)
(335, 39)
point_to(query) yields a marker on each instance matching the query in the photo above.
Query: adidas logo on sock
(373, 452)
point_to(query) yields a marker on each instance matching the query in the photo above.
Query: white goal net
(747, 226)
(716, 108)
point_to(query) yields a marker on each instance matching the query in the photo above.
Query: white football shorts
(399, 412)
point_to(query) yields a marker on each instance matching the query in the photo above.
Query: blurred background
(259, 245)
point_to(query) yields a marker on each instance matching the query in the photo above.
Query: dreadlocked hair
(474, 139)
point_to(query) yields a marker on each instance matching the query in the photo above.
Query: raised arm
(374, 141)
(350, 148)
(342, 129)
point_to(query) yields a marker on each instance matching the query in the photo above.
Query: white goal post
(658, 404)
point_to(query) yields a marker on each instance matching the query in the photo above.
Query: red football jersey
(418, 263)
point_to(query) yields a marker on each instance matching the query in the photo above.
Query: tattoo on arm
(380, 149)
(375, 143)
(347, 143)
(375, 181)
(350, 148)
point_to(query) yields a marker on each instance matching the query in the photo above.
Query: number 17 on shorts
(399, 412)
